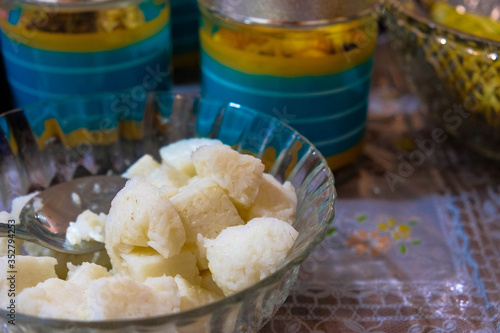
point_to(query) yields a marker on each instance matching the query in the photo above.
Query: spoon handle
(17, 231)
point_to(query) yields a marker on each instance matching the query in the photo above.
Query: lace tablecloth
(417, 241)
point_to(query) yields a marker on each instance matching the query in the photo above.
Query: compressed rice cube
(29, 272)
(178, 154)
(192, 296)
(274, 200)
(141, 217)
(163, 283)
(100, 257)
(54, 298)
(144, 263)
(168, 191)
(204, 208)
(243, 255)
(98, 296)
(143, 167)
(167, 175)
(238, 174)
(88, 226)
(120, 297)
(5, 216)
(86, 272)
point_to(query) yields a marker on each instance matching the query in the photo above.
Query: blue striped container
(321, 91)
(43, 65)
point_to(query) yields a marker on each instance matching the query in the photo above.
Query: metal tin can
(306, 62)
(56, 48)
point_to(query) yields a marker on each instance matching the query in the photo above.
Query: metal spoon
(62, 204)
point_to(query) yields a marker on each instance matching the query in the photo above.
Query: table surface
(417, 241)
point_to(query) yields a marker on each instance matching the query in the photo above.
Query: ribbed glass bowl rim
(458, 34)
(373, 11)
(232, 299)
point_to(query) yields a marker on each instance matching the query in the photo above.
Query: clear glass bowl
(52, 142)
(454, 73)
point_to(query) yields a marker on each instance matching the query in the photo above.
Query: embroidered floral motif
(398, 232)
(390, 233)
(371, 242)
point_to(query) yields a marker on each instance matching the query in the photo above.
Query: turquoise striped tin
(329, 110)
(314, 77)
(50, 65)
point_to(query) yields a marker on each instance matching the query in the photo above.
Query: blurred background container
(307, 63)
(449, 53)
(185, 41)
(54, 49)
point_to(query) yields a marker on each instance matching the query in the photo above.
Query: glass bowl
(50, 142)
(454, 73)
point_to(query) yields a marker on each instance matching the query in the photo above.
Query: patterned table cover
(416, 246)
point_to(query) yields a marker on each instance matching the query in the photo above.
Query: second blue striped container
(312, 74)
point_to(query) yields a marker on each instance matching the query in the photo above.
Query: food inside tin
(309, 43)
(54, 20)
(203, 224)
(457, 17)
